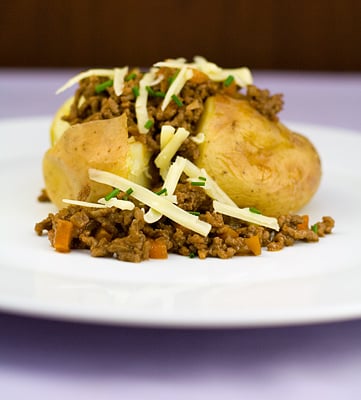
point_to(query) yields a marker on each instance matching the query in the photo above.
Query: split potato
(102, 144)
(257, 162)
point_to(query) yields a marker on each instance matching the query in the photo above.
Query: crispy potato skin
(258, 162)
(97, 144)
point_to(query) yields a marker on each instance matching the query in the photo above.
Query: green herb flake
(130, 77)
(158, 93)
(196, 183)
(192, 255)
(113, 193)
(254, 210)
(102, 86)
(128, 192)
(154, 93)
(135, 90)
(228, 81)
(172, 78)
(148, 124)
(202, 178)
(177, 100)
(162, 191)
(314, 228)
(196, 213)
(150, 90)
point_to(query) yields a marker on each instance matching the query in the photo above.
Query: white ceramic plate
(301, 284)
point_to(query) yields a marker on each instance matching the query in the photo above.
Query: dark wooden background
(264, 34)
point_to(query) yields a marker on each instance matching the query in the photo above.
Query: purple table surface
(46, 359)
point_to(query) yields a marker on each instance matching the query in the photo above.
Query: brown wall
(265, 34)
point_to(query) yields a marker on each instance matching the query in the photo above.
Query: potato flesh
(99, 144)
(257, 162)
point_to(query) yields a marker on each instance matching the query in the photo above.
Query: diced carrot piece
(62, 235)
(158, 249)
(231, 89)
(198, 77)
(304, 224)
(254, 244)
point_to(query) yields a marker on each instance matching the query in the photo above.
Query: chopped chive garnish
(197, 213)
(150, 90)
(202, 178)
(192, 255)
(135, 90)
(154, 93)
(159, 94)
(228, 81)
(198, 183)
(102, 86)
(172, 78)
(162, 191)
(128, 192)
(130, 76)
(314, 228)
(177, 100)
(148, 124)
(113, 193)
(254, 210)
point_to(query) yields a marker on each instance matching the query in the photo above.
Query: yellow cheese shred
(119, 75)
(163, 159)
(170, 184)
(177, 85)
(245, 214)
(153, 200)
(86, 74)
(211, 186)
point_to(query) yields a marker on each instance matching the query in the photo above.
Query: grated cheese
(211, 187)
(163, 159)
(151, 199)
(166, 134)
(119, 75)
(246, 215)
(83, 203)
(177, 85)
(141, 110)
(118, 203)
(242, 76)
(86, 74)
(170, 184)
(199, 138)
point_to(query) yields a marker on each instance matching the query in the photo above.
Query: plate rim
(344, 312)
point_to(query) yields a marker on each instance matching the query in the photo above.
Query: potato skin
(99, 144)
(257, 162)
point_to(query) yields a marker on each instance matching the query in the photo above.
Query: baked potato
(102, 144)
(256, 161)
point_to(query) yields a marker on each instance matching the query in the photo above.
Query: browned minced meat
(267, 104)
(43, 196)
(110, 232)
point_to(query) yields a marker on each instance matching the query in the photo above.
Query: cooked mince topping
(110, 232)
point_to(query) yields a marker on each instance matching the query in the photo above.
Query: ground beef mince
(110, 232)
(265, 103)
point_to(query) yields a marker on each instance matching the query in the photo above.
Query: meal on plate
(186, 158)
